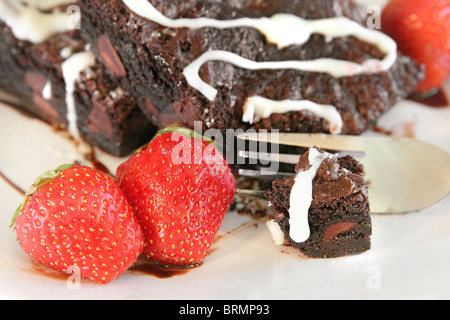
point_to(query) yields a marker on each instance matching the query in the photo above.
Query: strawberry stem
(39, 182)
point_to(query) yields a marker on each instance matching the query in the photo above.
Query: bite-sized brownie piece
(150, 59)
(46, 75)
(324, 211)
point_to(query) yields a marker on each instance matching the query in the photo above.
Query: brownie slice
(33, 72)
(338, 216)
(106, 115)
(150, 58)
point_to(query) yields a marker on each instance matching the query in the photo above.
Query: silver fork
(404, 175)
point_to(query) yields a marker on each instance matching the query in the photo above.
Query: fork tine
(258, 194)
(276, 157)
(323, 141)
(265, 173)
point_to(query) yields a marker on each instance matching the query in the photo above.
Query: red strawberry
(77, 217)
(422, 30)
(180, 188)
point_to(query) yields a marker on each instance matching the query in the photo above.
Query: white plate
(409, 259)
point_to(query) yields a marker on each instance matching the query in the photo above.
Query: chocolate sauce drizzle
(12, 184)
(437, 100)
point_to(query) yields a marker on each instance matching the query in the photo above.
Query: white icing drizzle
(336, 68)
(257, 107)
(276, 232)
(302, 196)
(283, 30)
(71, 69)
(47, 91)
(146, 10)
(66, 52)
(29, 23)
(47, 4)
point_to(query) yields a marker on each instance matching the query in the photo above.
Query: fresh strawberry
(77, 217)
(180, 187)
(422, 30)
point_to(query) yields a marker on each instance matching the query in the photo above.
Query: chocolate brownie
(151, 58)
(32, 72)
(38, 71)
(109, 117)
(324, 211)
